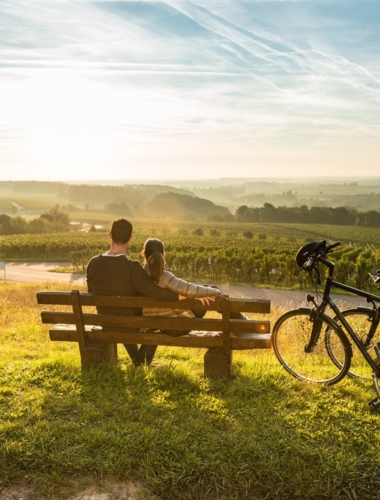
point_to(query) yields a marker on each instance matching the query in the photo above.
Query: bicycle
(313, 346)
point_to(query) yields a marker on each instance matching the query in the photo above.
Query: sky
(184, 89)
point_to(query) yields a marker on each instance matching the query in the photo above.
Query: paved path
(33, 272)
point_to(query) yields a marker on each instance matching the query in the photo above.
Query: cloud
(177, 72)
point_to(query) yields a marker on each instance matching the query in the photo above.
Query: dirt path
(85, 489)
(20, 272)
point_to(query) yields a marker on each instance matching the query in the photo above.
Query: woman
(154, 264)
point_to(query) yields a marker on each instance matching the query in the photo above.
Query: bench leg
(217, 363)
(98, 353)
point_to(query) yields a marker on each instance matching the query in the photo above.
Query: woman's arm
(186, 288)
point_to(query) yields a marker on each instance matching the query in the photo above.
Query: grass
(259, 435)
(69, 270)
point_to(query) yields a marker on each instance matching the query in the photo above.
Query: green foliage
(56, 216)
(259, 435)
(53, 220)
(55, 246)
(5, 224)
(234, 259)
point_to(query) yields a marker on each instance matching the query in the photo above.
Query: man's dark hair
(121, 231)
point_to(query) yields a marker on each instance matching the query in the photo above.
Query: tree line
(346, 216)
(52, 221)
(57, 220)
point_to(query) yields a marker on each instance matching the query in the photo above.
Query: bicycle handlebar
(331, 246)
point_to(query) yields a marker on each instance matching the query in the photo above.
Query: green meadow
(175, 435)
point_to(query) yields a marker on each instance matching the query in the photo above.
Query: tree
(243, 214)
(5, 224)
(60, 220)
(19, 225)
(40, 225)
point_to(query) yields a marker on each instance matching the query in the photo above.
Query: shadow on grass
(259, 435)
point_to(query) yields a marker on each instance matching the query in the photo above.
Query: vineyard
(216, 252)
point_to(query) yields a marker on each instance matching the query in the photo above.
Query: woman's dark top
(118, 275)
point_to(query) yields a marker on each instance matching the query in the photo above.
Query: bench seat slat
(247, 341)
(110, 321)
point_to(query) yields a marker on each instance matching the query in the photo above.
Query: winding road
(21, 272)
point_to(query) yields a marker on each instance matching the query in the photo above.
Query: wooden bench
(99, 334)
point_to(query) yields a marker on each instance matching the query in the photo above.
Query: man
(112, 273)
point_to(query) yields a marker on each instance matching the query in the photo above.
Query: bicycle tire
(359, 320)
(291, 333)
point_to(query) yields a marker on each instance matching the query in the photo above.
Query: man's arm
(88, 278)
(144, 285)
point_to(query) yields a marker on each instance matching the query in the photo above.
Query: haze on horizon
(189, 89)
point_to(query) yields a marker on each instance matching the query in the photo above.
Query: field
(259, 254)
(168, 431)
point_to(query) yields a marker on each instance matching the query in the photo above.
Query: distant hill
(129, 200)
(183, 207)
(30, 198)
(133, 195)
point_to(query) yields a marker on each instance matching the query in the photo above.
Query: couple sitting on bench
(112, 273)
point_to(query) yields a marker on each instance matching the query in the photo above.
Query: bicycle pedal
(375, 403)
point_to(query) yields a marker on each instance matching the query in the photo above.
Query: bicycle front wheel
(290, 336)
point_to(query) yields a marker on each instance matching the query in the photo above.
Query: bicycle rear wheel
(291, 334)
(360, 320)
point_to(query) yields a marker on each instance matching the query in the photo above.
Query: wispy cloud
(274, 73)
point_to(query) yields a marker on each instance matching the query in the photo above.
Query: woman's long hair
(154, 256)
